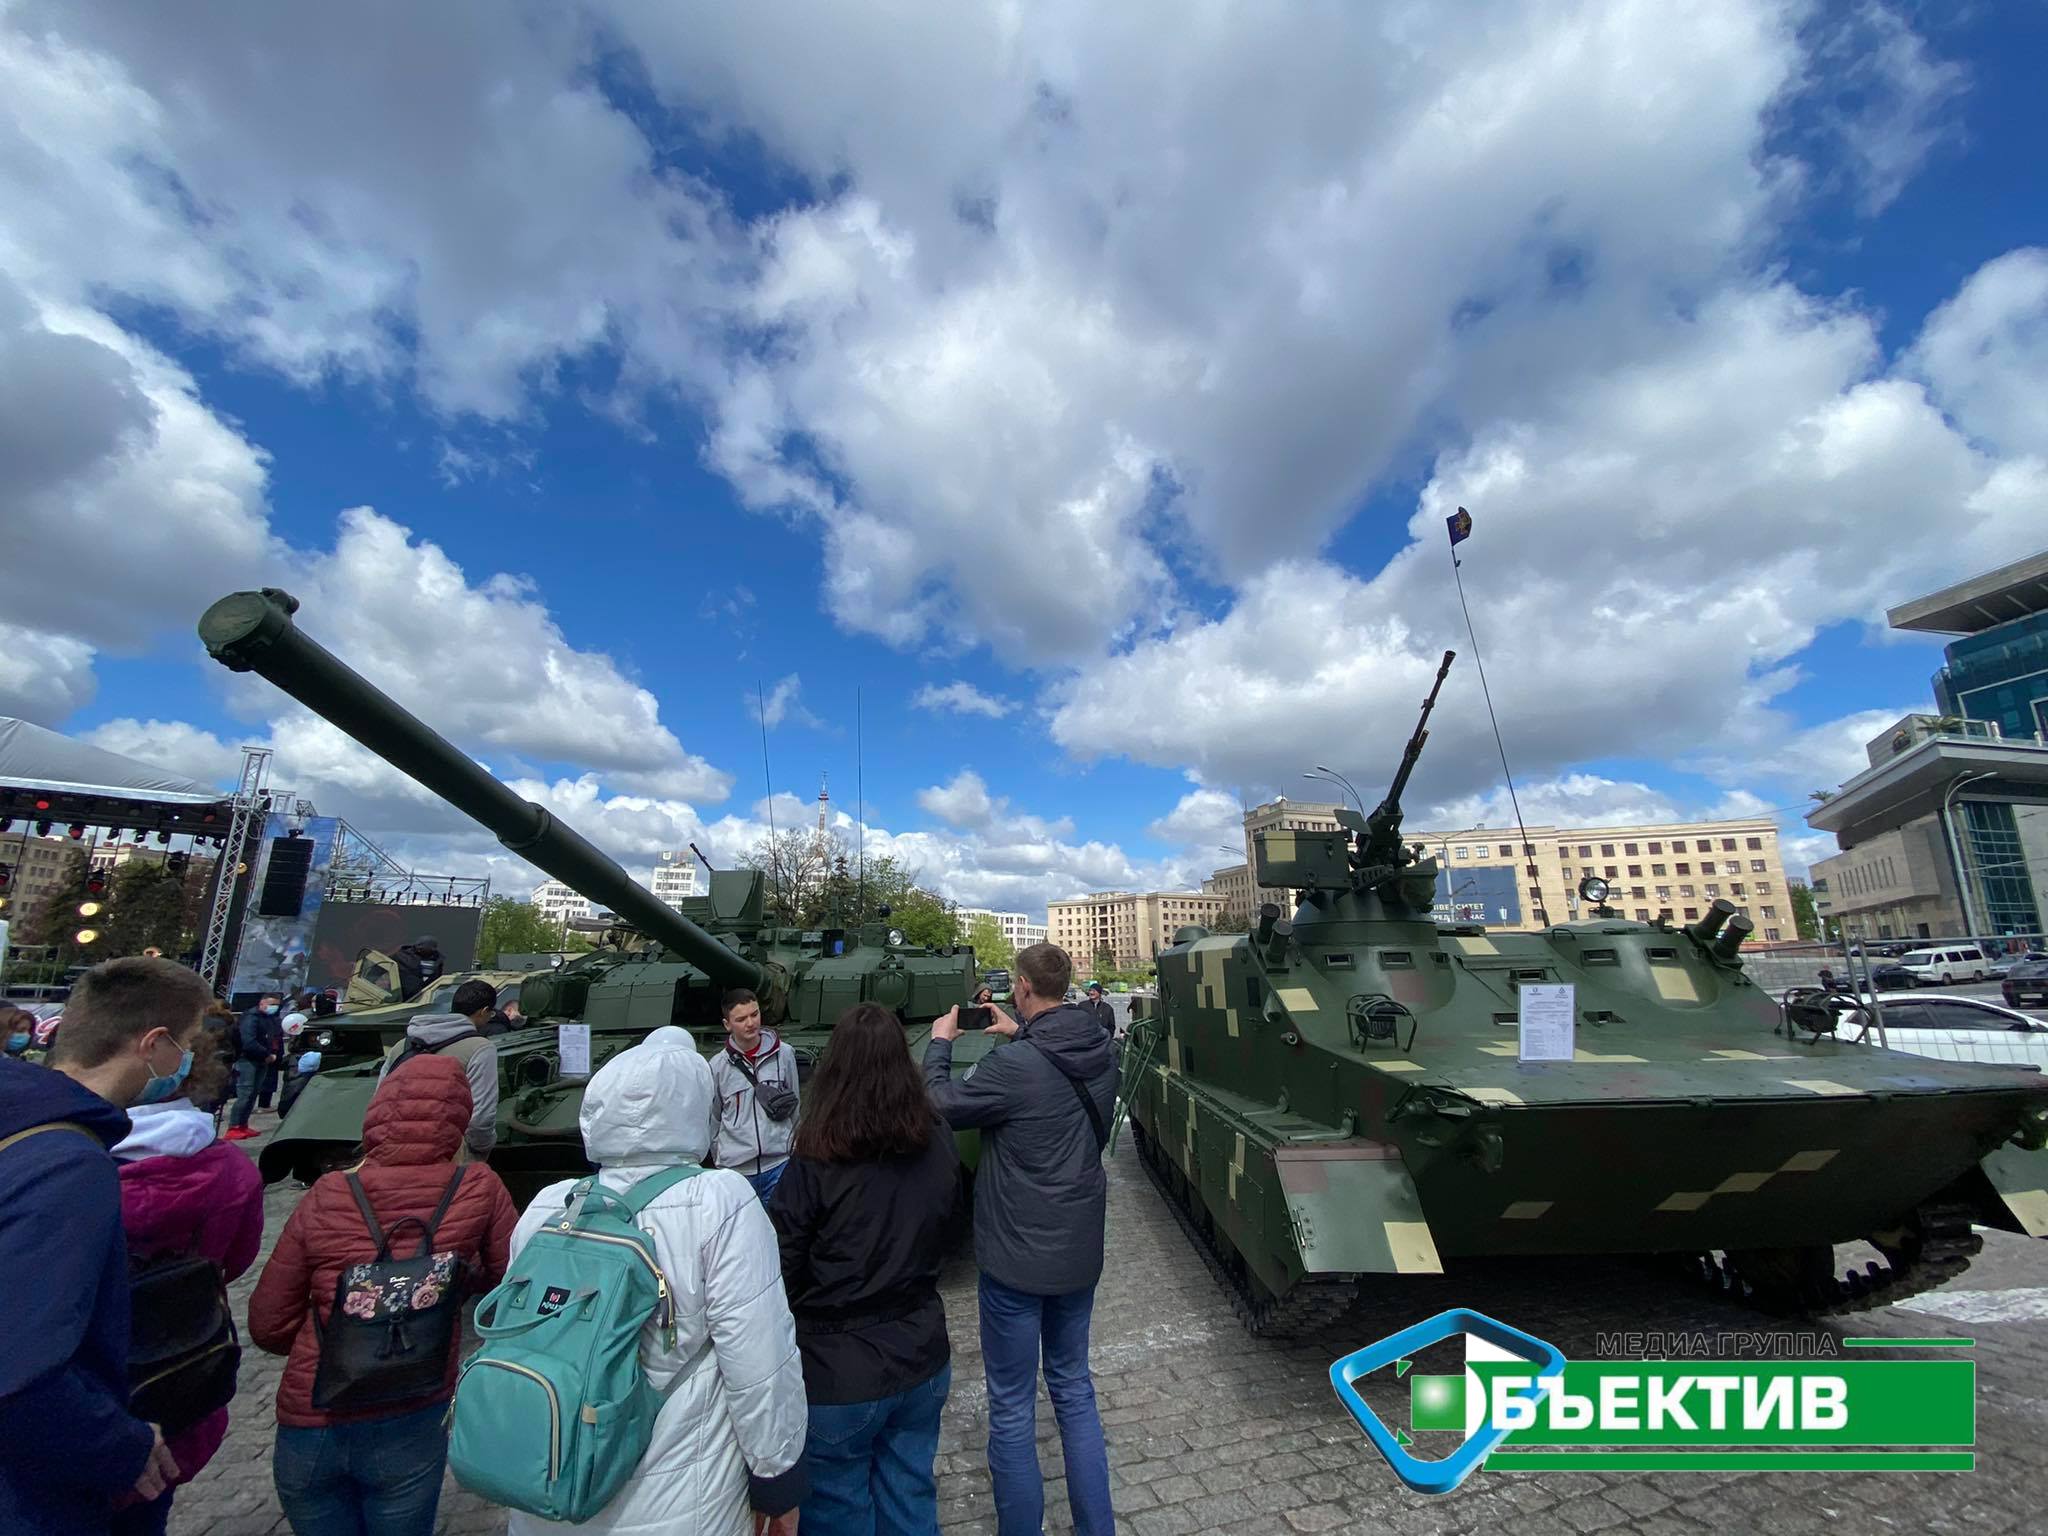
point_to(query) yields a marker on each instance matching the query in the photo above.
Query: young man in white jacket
(754, 1077)
(729, 1441)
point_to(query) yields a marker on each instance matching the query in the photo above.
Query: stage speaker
(284, 882)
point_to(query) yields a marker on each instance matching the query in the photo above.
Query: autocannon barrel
(254, 632)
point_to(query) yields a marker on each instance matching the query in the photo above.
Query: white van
(1948, 963)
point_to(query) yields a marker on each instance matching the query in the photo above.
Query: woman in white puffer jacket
(730, 1438)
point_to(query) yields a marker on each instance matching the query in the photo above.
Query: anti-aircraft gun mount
(674, 972)
(1339, 1093)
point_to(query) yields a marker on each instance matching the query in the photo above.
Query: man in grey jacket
(460, 1035)
(755, 1080)
(1042, 1102)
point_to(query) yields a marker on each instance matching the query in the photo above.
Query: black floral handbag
(394, 1320)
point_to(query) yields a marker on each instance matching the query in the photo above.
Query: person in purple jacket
(185, 1191)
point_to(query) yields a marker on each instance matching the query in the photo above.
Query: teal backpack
(553, 1413)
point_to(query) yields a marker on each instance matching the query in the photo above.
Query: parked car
(2026, 981)
(1961, 1029)
(1892, 977)
(1945, 964)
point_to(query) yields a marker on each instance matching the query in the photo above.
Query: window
(1464, 852)
(1656, 869)
(1763, 887)
(1727, 845)
(1585, 850)
(1770, 912)
(1755, 844)
(1756, 866)
(1771, 933)
(1506, 852)
(1663, 893)
(1707, 867)
(1567, 871)
(1607, 850)
(1564, 850)
(1685, 869)
(1656, 848)
(1528, 850)
(1635, 871)
(1530, 870)
(1635, 893)
(1736, 890)
(1691, 913)
(1949, 1013)
(1628, 850)
(1713, 890)
(1611, 872)
(1642, 913)
(1685, 891)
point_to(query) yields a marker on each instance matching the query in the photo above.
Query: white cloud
(961, 698)
(1203, 822)
(1984, 353)
(1878, 95)
(43, 677)
(780, 703)
(1575, 800)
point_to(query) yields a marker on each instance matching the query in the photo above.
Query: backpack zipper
(182, 1365)
(664, 1305)
(554, 1411)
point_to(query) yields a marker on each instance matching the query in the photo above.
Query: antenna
(860, 812)
(774, 844)
(1487, 695)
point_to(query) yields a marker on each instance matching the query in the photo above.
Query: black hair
(475, 997)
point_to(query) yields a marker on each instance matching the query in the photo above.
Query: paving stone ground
(1210, 1430)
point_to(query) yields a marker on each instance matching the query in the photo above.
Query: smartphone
(972, 1017)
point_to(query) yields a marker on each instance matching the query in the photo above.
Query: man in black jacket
(1042, 1102)
(1098, 1005)
(260, 1037)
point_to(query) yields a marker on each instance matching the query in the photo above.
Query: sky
(1041, 419)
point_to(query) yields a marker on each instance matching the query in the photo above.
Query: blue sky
(1119, 371)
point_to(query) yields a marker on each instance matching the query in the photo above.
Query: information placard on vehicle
(1546, 1032)
(572, 1042)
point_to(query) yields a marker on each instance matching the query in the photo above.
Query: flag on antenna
(1460, 524)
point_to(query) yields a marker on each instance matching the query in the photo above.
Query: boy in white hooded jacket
(730, 1438)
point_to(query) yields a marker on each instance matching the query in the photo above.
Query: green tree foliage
(1230, 920)
(57, 921)
(515, 928)
(991, 950)
(1805, 920)
(145, 907)
(1104, 967)
(819, 883)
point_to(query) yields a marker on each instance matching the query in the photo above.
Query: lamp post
(1955, 846)
(1333, 773)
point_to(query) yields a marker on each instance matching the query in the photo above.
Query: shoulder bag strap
(355, 1187)
(447, 1197)
(649, 1189)
(1087, 1102)
(746, 1067)
(54, 1125)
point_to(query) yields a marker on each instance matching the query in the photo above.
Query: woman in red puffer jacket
(185, 1191)
(378, 1470)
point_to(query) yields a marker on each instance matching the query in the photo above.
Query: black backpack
(394, 1320)
(410, 1047)
(183, 1351)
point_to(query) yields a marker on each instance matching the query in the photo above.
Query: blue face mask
(16, 1044)
(167, 1086)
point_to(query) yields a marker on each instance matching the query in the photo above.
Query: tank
(660, 966)
(1338, 1095)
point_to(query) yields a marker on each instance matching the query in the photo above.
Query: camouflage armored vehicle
(1339, 1094)
(357, 1033)
(661, 966)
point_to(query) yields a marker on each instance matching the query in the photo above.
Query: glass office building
(2001, 676)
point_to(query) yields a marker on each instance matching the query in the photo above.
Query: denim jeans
(871, 1464)
(1017, 1329)
(381, 1477)
(248, 1077)
(765, 1181)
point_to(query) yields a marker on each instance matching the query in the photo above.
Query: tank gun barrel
(254, 632)
(1384, 824)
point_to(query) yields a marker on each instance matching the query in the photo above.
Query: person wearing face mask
(18, 1029)
(72, 1447)
(186, 1192)
(262, 1042)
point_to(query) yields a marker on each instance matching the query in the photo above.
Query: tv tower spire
(824, 804)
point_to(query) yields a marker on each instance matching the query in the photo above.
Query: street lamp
(1333, 773)
(1955, 845)
(1331, 778)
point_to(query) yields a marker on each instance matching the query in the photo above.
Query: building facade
(1946, 833)
(1675, 869)
(1129, 926)
(1234, 885)
(1017, 928)
(36, 868)
(558, 904)
(675, 877)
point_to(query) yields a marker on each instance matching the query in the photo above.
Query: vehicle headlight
(895, 937)
(324, 1038)
(1593, 889)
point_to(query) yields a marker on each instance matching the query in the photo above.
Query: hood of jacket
(1070, 1037)
(768, 1045)
(650, 1104)
(438, 1028)
(418, 1115)
(176, 1129)
(32, 1095)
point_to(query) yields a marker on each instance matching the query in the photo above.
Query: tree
(991, 950)
(515, 928)
(1230, 920)
(1805, 920)
(798, 864)
(1105, 964)
(145, 906)
(1821, 796)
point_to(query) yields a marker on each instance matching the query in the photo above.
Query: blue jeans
(381, 1477)
(871, 1464)
(248, 1078)
(1016, 1329)
(765, 1181)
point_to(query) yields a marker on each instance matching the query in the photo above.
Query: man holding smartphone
(1042, 1102)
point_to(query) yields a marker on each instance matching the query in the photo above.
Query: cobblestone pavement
(1211, 1430)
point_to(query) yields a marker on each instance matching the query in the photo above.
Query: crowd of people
(798, 1357)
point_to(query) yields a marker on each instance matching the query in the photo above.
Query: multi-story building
(107, 857)
(36, 867)
(558, 904)
(675, 877)
(1946, 833)
(1016, 927)
(1234, 885)
(1652, 869)
(1130, 926)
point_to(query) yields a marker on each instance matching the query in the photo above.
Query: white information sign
(573, 1042)
(1546, 1022)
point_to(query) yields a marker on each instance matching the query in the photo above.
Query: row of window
(1635, 871)
(1628, 850)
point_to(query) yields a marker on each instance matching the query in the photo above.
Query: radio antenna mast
(860, 811)
(774, 843)
(1486, 694)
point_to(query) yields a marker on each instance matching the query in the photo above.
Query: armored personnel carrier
(1340, 1093)
(662, 966)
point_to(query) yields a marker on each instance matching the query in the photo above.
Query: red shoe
(240, 1133)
